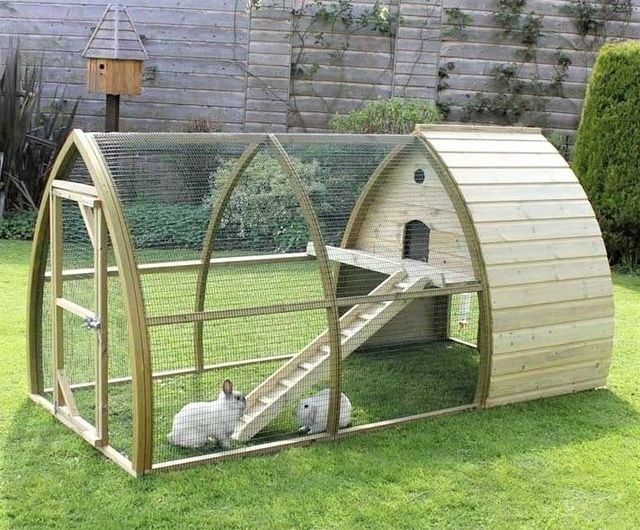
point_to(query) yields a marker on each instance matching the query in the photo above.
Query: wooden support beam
(326, 278)
(63, 384)
(187, 371)
(89, 222)
(56, 293)
(112, 113)
(183, 266)
(76, 187)
(102, 315)
(77, 197)
(86, 432)
(207, 247)
(272, 447)
(74, 308)
(205, 316)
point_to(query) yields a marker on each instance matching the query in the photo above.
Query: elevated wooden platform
(412, 268)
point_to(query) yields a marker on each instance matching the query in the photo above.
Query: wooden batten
(114, 76)
(547, 273)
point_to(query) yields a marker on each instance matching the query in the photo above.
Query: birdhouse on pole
(114, 56)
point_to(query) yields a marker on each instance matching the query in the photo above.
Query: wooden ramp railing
(310, 365)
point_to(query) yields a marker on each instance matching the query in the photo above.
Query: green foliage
(377, 18)
(512, 98)
(508, 14)
(560, 141)
(29, 135)
(530, 33)
(262, 212)
(607, 152)
(457, 20)
(561, 72)
(390, 116)
(156, 225)
(443, 75)
(18, 225)
(590, 18)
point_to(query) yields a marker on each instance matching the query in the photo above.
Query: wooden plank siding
(219, 61)
(548, 276)
(197, 65)
(483, 45)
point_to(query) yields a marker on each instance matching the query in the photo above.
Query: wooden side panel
(395, 201)
(398, 200)
(549, 279)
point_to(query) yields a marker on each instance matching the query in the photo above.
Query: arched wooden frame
(359, 213)
(84, 146)
(322, 258)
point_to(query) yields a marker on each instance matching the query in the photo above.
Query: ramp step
(286, 383)
(403, 285)
(306, 366)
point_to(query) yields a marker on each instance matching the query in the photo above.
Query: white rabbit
(312, 412)
(197, 422)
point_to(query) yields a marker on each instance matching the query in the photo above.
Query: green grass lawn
(567, 462)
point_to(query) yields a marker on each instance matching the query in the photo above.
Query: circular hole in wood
(101, 66)
(418, 176)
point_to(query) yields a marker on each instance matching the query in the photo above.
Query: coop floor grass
(567, 462)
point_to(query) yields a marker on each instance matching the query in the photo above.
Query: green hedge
(606, 156)
(18, 225)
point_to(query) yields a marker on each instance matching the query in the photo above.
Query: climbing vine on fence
(517, 86)
(329, 26)
(322, 33)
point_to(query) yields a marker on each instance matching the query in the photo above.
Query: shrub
(263, 212)
(606, 156)
(156, 225)
(29, 135)
(18, 225)
(391, 116)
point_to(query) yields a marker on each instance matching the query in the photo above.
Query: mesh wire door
(79, 297)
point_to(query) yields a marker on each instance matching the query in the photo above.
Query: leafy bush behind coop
(606, 156)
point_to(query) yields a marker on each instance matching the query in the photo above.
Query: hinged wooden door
(92, 319)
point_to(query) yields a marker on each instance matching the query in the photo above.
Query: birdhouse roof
(115, 37)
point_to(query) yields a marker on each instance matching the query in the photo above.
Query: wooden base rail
(86, 431)
(189, 265)
(272, 447)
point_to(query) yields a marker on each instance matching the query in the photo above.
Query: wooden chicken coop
(452, 269)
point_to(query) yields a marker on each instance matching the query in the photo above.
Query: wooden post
(329, 291)
(112, 115)
(101, 291)
(56, 292)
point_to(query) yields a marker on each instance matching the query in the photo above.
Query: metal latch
(91, 323)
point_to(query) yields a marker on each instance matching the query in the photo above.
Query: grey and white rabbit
(312, 412)
(199, 421)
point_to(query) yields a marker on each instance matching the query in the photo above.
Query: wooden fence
(281, 66)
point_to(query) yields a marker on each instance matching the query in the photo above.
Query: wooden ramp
(310, 365)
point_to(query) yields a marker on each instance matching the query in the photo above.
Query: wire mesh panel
(246, 246)
(79, 348)
(392, 231)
